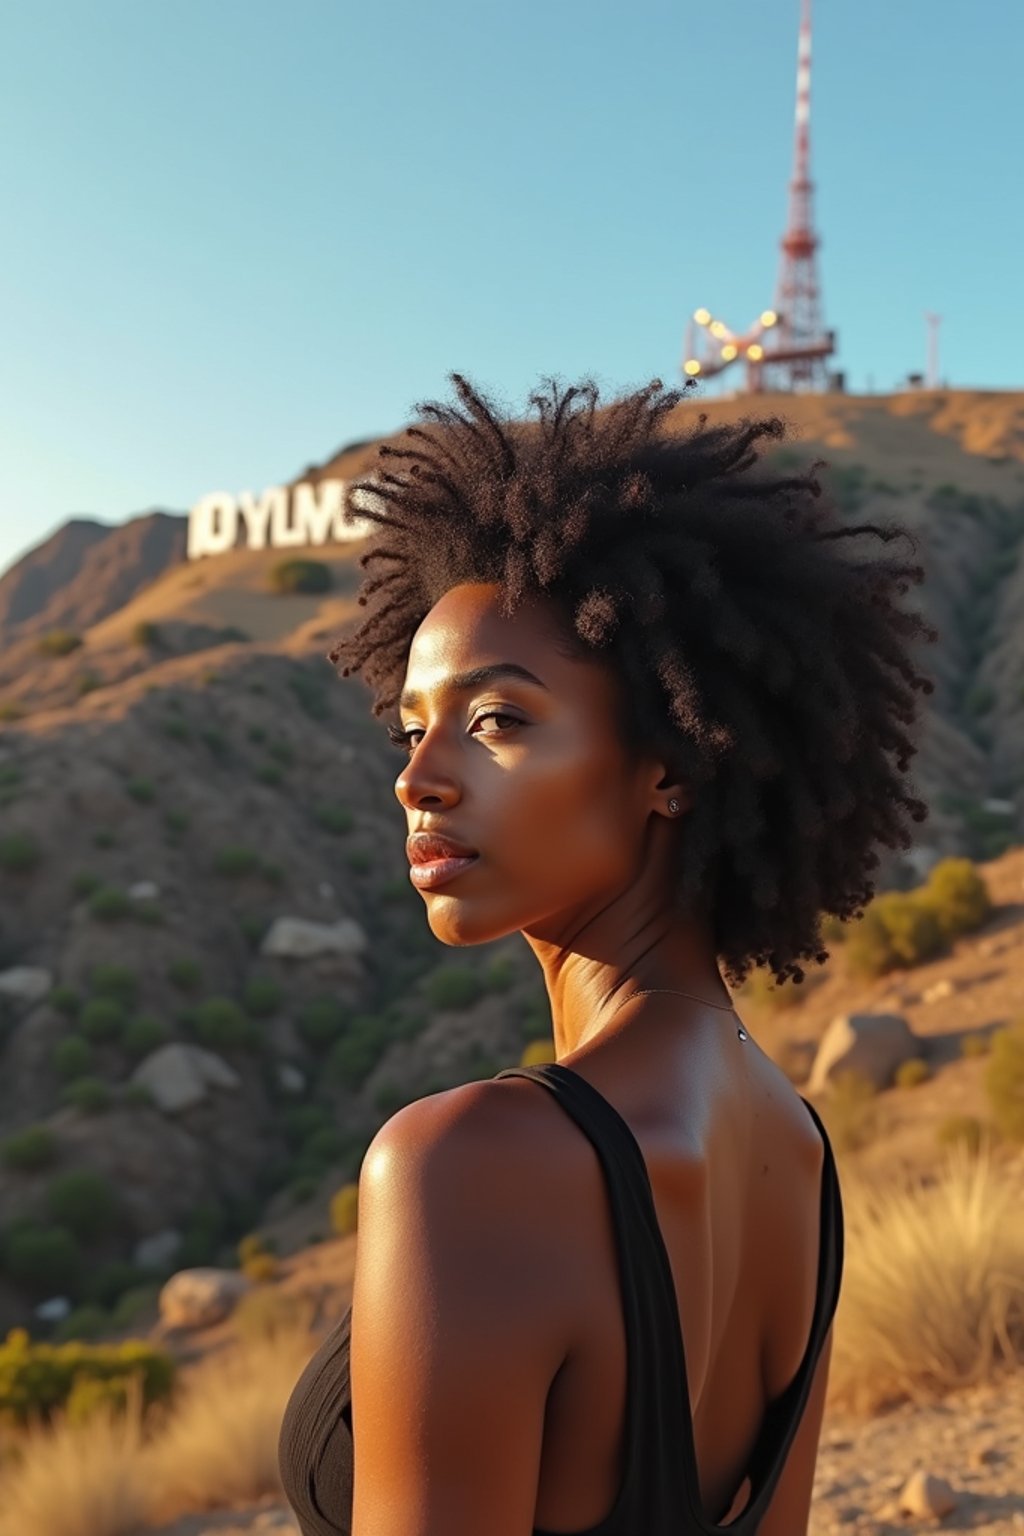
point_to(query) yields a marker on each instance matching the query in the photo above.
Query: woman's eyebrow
(461, 682)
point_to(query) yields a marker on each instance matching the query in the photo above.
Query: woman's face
(544, 792)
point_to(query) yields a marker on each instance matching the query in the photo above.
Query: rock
(873, 1044)
(290, 1078)
(179, 1075)
(53, 1311)
(325, 889)
(299, 938)
(158, 1250)
(143, 890)
(998, 807)
(926, 1495)
(195, 1298)
(938, 990)
(25, 983)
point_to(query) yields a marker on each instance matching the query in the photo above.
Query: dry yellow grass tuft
(933, 1290)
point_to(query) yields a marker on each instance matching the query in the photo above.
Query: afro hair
(757, 636)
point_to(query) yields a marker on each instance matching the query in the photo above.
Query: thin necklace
(726, 1007)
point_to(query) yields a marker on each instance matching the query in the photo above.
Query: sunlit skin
(577, 844)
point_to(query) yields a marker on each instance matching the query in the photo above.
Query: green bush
(104, 838)
(141, 789)
(84, 883)
(256, 733)
(58, 642)
(117, 981)
(961, 1128)
(44, 1261)
(344, 1210)
(145, 634)
(1004, 1080)
(90, 1095)
(214, 740)
(304, 1188)
(912, 1072)
(84, 1322)
(499, 974)
(261, 996)
(87, 682)
(71, 1057)
(358, 1051)
(301, 1120)
(109, 903)
(137, 1094)
(323, 1146)
(320, 1021)
(30, 1149)
(102, 1018)
(176, 729)
(270, 773)
(221, 1024)
(83, 1201)
(334, 818)
(359, 861)
(134, 1304)
(958, 896)
(108, 1282)
(898, 929)
(236, 861)
(19, 853)
(297, 575)
(453, 986)
(37, 1379)
(282, 752)
(252, 929)
(143, 1033)
(66, 1001)
(185, 973)
(176, 822)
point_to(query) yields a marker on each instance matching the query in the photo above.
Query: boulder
(55, 1310)
(299, 938)
(872, 1044)
(195, 1298)
(25, 983)
(180, 1075)
(292, 1080)
(144, 890)
(157, 1250)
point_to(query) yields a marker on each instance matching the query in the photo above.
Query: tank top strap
(657, 1413)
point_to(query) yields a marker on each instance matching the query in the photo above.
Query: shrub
(215, 741)
(109, 1281)
(256, 733)
(145, 634)
(143, 1033)
(958, 896)
(897, 929)
(109, 903)
(38, 1378)
(236, 861)
(19, 853)
(117, 981)
(175, 728)
(320, 1021)
(911, 1072)
(344, 1210)
(185, 973)
(324, 1146)
(84, 883)
(104, 838)
(134, 1303)
(43, 1260)
(961, 1128)
(261, 1267)
(82, 1201)
(282, 752)
(141, 789)
(58, 642)
(102, 1018)
(28, 1150)
(311, 695)
(453, 986)
(261, 996)
(72, 1057)
(298, 575)
(176, 822)
(301, 1120)
(537, 1051)
(87, 682)
(252, 929)
(499, 974)
(355, 1055)
(359, 861)
(221, 1024)
(66, 1001)
(304, 1188)
(90, 1095)
(1004, 1080)
(270, 773)
(85, 1322)
(137, 1094)
(334, 818)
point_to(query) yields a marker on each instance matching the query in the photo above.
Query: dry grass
(114, 1475)
(933, 1289)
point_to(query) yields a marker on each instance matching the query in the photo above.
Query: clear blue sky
(239, 233)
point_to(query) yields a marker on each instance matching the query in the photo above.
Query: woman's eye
(403, 738)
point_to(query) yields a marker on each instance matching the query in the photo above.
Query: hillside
(193, 772)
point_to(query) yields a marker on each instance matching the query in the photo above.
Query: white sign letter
(212, 525)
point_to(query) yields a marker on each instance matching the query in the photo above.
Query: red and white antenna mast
(798, 296)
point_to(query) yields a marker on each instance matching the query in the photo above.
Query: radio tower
(798, 297)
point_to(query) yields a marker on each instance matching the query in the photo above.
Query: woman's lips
(439, 871)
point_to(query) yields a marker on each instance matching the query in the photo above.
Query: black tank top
(659, 1494)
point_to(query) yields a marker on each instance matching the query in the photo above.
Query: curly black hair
(768, 663)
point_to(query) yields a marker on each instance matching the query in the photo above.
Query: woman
(650, 694)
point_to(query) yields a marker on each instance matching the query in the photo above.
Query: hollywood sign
(281, 518)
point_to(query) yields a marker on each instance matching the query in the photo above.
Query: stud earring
(673, 805)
